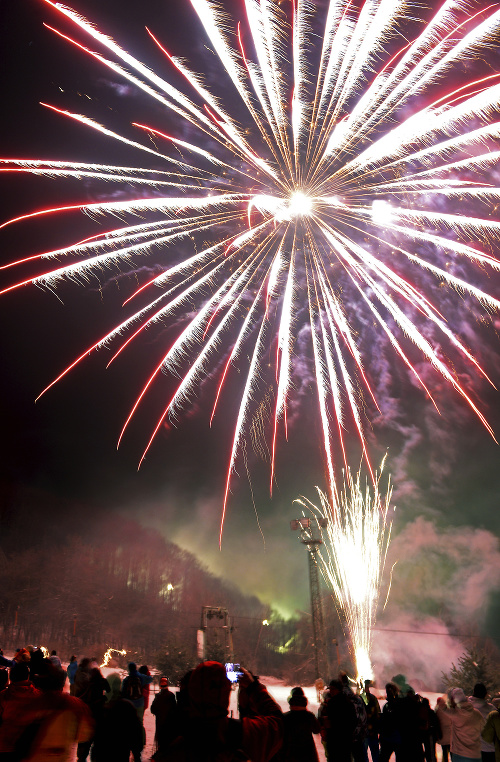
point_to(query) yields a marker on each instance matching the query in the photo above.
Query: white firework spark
(352, 557)
(328, 189)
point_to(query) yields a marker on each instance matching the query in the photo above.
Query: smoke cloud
(442, 583)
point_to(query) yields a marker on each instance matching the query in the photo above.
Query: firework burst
(338, 165)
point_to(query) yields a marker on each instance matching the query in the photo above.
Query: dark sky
(60, 467)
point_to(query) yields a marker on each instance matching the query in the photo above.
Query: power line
(422, 632)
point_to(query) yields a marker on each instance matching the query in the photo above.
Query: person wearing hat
(479, 702)
(298, 727)
(164, 708)
(208, 732)
(342, 721)
(466, 726)
(119, 731)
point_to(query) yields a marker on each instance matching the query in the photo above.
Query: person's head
(53, 653)
(53, 679)
(19, 673)
(73, 658)
(400, 681)
(209, 690)
(391, 691)
(297, 698)
(85, 664)
(368, 685)
(344, 679)
(22, 655)
(115, 684)
(456, 697)
(479, 691)
(335, 687)
(132, 667)
(144, 670)
(164, 683)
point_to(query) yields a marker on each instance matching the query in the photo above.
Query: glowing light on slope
(107, 655)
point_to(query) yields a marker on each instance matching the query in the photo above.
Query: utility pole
(310, 536)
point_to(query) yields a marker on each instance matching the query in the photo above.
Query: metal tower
(312, 539)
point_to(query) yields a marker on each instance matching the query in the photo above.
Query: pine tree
(473, 667)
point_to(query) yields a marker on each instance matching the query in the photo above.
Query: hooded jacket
(491, 732)
(15, 714)
(485, 708)
(207, 734)
(466, 726)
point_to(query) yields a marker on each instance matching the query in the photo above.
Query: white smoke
(442, 582)
(419, 648)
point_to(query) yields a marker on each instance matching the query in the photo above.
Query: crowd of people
(103, 716)
(353, 723)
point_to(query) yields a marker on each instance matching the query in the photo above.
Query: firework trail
(356, 533)
(107, 655)
(363, 146)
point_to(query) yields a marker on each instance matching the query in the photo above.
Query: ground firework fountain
(352, 558)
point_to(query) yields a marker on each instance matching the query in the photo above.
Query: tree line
(129, 588)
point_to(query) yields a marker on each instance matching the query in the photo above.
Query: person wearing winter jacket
(466, 726)
(372, 718)
(207, 733)
(390, 725)
(59, 720)
(133, 687)
(71, 671)
(478, 701)
(164, 709)
(15, 717)
(119, 731)
(491, 732)
(341, 724)
(358, 748)
(90, 687)
(144, 670)
(443, 713)
(299, 725)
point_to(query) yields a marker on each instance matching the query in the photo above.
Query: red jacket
(15, 713)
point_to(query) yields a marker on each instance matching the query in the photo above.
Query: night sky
(60, 469)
